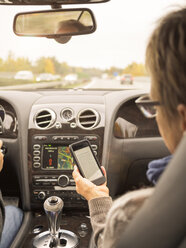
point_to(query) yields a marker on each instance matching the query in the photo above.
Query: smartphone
(87, 162)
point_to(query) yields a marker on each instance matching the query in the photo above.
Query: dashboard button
(54, 183)
(72, 182)
(94, 147)
(46, 183)
(36, 146)
(36, 153)
(36, 164)
(53, 177)
(40, 137)
(36, 158)
(84, 226)
(36, 177)
(58, 125)
(73, 125)
(91, 137)
(37, 184)
(41, 195)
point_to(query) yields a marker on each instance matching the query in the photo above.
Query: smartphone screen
(86, 161)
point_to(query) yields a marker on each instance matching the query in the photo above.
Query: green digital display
(65, 160)
(57, 157)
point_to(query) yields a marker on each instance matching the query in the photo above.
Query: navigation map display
(57, 157)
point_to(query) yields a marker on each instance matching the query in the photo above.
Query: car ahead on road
(71, 78)
(47, 77)
(24, 75)
(126, 79)
(91, 42)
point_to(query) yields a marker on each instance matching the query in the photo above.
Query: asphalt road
(139, 83)
(95, 83)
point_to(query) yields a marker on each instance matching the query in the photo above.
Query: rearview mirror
(50, 2)
(55, 23)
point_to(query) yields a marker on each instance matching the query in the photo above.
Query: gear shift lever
(53, 207)
(55, 237)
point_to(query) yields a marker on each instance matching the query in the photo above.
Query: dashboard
(39, 127)
(50, 122)
(52, 128)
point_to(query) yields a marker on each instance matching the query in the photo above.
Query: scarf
(156, 167)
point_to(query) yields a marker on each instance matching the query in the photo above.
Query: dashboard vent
(88, 118)
(45, 118)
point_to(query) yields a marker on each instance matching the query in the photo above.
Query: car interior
(41, 118)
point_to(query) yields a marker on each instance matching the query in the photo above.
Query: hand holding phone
(87, 162)
(88, 189)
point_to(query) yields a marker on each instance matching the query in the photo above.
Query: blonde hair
(166, 60)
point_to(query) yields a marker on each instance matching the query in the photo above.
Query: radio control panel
(62, 180)
(51, 166)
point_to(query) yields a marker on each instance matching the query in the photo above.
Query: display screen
(57, 157)
(88, 163)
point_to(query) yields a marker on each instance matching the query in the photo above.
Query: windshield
(113, 57)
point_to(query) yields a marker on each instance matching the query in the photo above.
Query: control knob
(41, 195)
(63, 180)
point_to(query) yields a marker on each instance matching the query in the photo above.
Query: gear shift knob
(53, 207)
(55, 237)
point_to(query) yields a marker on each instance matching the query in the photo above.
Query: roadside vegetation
(11, 65)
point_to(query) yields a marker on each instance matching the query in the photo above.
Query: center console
(51, 166)
(52, 128)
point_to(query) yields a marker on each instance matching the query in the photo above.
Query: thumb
(76, 175)
(1, 143)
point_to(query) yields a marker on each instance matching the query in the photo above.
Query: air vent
(88, 118)
(45, 118)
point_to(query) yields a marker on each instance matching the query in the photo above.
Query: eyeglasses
(147, 106)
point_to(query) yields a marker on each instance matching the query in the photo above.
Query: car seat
(161, 222)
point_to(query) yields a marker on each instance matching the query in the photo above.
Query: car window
(96, 61)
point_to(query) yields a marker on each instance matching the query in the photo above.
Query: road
(139, 83)
(95, 83)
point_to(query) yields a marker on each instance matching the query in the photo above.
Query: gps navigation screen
(57, 157)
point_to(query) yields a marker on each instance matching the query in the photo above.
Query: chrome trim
(63, 176)
(95, 113)
(52, 121)
(63, 110)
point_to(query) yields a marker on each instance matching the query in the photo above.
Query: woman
(166, 62)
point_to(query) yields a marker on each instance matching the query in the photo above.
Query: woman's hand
(88, 189)
(1, 156)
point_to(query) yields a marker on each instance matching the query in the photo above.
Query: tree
(23, 64)
(9, 64)
(49, 66)
(57, 65)
(1, 64)
(44, 65)
(135, 69)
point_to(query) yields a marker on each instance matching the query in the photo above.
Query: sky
(123, 29)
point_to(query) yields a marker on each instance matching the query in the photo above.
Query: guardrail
(34, 86)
